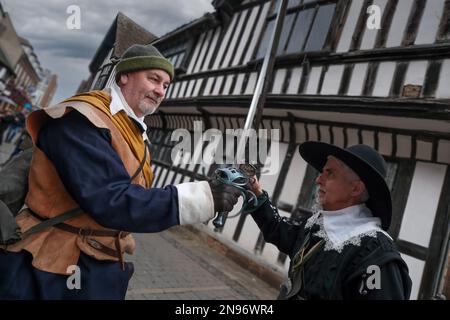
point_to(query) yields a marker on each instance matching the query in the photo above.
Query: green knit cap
(141, 57)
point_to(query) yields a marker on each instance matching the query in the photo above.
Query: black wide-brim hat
(366, 162)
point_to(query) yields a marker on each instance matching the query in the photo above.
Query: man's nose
(319, 179)
(160, 91)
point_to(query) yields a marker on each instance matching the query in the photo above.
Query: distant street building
(45, 90)
(20, 70)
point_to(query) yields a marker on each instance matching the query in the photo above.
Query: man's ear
(358, 188)
(123, 79)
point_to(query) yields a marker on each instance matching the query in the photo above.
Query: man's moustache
(157, 99)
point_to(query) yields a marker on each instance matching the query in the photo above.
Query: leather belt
(86, 233)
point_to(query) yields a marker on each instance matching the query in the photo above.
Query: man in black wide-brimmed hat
(343, 251)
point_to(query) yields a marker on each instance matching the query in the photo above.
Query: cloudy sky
(69, 52)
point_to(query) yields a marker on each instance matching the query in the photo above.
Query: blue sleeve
(97, 180)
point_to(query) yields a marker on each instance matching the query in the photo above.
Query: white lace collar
(118, 103)
(346, 226)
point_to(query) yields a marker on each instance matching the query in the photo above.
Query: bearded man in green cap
(90, 187)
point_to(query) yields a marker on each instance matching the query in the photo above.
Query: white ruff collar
(346, 226)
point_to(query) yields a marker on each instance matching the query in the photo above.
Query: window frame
(295, 11)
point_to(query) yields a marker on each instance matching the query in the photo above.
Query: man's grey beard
(146, 111)
(317, 205)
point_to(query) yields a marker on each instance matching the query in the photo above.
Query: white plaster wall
(294, 179)
(399, 21)
(370, 35)
(238, 85)
(332, 80)
(244, 39)
(251, 83)
(280, 75)
(325, 134)
(257, 32)
(430, 22)
(268, 181)
(224, 41)
(368, 138)
(176, 88)
(169, 178)
(217, 86)
(294, 83)
(423, 199)
(416, 73)
(228, 81)
(384, 78)
(313, 82)
(217, 33)
(415, 267)
(385, 143)
(202, 54)
(162, 174)
(198, 84)
(169, 92)
(207, 90)
(357, 80)
(443, 90)
(312, 132)
(350, 24)
(423, 150)
(182, 89)
(235, 38)
(404, 144)
(196, 53)
(249, 235)
(338, 134)
(189, 88)
(352, 137)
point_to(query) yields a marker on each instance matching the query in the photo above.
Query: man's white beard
(146, 109)
(317, 205)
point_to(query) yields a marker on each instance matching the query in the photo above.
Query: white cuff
(195, 202)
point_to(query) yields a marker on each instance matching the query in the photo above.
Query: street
(177, 264)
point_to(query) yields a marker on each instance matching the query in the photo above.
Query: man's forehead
(332, 162)
(159, 73)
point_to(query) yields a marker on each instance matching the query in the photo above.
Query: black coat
(348, 274)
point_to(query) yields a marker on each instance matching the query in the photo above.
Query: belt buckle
(94, 244)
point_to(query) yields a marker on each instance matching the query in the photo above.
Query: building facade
(346, 72)
(45, 90)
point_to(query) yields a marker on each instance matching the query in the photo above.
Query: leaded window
(305, 28)
(176, 54)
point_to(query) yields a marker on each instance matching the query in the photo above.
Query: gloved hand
(225, 196)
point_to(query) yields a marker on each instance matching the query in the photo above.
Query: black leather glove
(225, 196)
